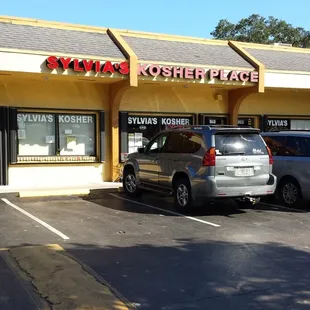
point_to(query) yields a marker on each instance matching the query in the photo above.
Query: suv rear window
(229, 144)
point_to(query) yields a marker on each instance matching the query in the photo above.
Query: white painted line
(282, 207)
(54, 230)
(166, 211)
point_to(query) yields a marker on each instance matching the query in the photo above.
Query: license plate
(244, 172)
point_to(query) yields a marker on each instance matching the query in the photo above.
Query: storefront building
(75, 100)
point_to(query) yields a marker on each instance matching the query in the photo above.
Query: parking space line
(54, 230)
(167, 211)
(282, 207)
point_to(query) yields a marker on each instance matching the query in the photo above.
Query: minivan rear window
(229, 144)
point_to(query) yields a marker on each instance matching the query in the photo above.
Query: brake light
(271, 161)
(209, 157)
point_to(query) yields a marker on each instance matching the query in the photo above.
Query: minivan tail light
(271, 161)
(209, 158)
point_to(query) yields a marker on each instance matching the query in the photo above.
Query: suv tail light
(270, 156)
(209, 157)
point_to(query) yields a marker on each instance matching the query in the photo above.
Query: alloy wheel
(182, 195)
(290, 193)
(131, 183)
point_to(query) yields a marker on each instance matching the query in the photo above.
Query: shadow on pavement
(204, 275)
(161, 201)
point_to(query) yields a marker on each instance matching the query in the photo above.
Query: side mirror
(141, 150)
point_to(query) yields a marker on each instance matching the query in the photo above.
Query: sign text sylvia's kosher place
(152, 70)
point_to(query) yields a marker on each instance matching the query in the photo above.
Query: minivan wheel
(183, 195)
(289, 193)
(130, 185)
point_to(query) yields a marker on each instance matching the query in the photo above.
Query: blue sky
(192, 18)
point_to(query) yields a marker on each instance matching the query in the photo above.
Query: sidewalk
(59, 189)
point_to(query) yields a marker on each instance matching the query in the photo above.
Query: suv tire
(182, 195)
(289, 193)
(130, 185)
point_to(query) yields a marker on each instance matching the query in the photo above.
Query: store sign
(215, 120)
(48, 118)
(278, 124)
(85, 65)
(165, 121)
(152, 70)
(197, 73)
(245, 122)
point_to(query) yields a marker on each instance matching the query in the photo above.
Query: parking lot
(217, 257)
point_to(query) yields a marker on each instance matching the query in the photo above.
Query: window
(239, 144)
(157, 145)
(55, 134)
(300, 124)
(76, 134)
(36, 134)
(141, 129)
(297, 146)
(184, 142)
(276, 144)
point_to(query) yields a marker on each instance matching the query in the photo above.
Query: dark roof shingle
(185, 52)
(281, 60)
(57, 40)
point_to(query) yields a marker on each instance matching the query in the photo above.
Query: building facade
(75, 100)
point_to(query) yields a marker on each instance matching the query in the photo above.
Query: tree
(258, 29)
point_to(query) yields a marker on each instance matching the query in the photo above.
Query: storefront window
(36, 134)
(141, 129)
(51, 134)
(300, 124)
(76, 134)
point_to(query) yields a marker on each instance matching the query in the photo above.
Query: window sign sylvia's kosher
(48, 118)
(144, 120)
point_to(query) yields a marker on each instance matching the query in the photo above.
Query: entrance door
(3, 146)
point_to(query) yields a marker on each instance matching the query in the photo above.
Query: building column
(112, 165)
(235, 98)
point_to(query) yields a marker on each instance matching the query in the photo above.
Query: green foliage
(258, 29)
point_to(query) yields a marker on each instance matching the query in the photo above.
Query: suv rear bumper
(207, 188)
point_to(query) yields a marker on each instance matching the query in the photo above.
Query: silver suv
(202, 162)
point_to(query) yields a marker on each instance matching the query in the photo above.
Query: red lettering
(154, 70)
(254, 76)
(52, 62)
(233, 76)
(97, 66)
(189, 74)
(223, 77)
(166, 71)
(199, 73)
(65, 62)
(142, 69)
(178, 72)
(213, 73)
(88, 65)
(76, 66)
(124, 68)
(108, 67)
(244, 76)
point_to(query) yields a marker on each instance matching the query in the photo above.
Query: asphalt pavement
(217, 257)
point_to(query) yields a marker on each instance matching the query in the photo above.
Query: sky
(195, 18)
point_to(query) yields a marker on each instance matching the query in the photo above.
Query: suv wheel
(183, 195)
(130, 183)
(289, 193)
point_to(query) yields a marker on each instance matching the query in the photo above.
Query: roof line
(87, 28)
